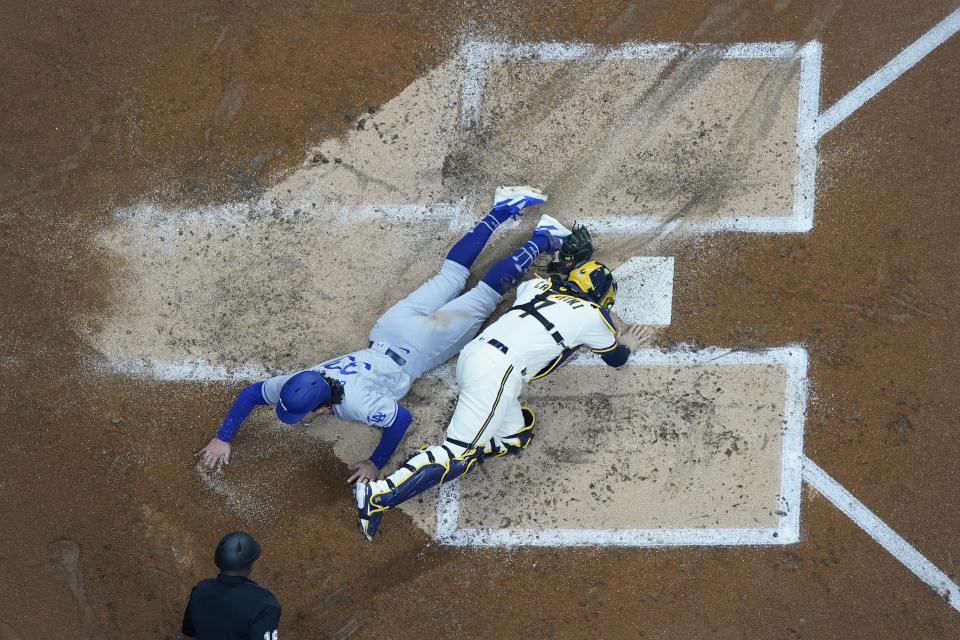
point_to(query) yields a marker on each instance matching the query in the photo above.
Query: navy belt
(499, 346)
(496, 344)
(393, 355)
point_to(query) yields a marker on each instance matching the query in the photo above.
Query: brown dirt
(103, 524)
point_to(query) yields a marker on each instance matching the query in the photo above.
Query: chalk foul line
(888, 73)
(881, 533)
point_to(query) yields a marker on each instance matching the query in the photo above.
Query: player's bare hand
(216, 452)
(633, 336)
(363, 472)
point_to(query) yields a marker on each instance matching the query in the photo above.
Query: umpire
(232, 606)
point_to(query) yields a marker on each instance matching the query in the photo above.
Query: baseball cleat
(368, 522)
(515, 199)
(518, 441)
(529, 417)
(553, 230)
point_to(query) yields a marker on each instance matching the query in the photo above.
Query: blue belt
(393, 355)
(499, 346)
(496, 344)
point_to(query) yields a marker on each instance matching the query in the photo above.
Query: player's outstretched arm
(368, 470)
(217, 451)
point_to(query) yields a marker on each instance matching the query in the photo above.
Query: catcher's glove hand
(576, 249)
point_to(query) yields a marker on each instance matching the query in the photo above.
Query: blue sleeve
(247, 399)
(616, 357)
(391, 437)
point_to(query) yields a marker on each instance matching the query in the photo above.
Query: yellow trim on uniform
(550, 367)
(493, 410)
(610, 348)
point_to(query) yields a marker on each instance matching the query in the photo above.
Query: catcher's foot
(368, 522)
(514, 200)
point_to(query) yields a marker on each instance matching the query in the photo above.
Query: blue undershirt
(391, 437)
(248, 398)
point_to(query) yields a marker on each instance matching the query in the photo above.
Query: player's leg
(440, 336)
(489, 386)
(514, 432)
(509, 202)
(507, 273)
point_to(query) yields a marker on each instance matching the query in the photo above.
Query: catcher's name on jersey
(372, 384)
(530, 344)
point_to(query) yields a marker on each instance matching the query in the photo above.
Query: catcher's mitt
(576, 249)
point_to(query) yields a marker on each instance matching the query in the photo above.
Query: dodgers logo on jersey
(378, 417)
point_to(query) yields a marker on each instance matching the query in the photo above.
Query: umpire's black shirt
(231, 608)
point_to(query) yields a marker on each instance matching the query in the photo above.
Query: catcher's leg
(425, 469)
(489, 386)
(514, 442)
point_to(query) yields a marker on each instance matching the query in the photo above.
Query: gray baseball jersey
(372, 384)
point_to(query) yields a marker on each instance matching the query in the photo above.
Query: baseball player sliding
(420, 332)
(550, 321)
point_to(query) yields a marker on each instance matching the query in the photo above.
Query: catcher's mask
(301, 394)
(595, 282)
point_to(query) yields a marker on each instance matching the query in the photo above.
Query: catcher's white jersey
(372, 384)
(578, 321)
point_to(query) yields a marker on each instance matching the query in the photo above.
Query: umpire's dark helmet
(595, 282)
(301, 394)
(237, 550)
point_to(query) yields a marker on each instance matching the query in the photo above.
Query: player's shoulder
(606, 315)
(205, 586)
(595, 317)
(540, 281)
(532, 286)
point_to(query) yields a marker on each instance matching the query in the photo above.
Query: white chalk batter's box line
(793, 360)
(478, 57)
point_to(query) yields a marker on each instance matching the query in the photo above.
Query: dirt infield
(122, 125)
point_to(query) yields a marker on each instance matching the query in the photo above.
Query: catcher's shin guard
(513, 443)
(426, 468)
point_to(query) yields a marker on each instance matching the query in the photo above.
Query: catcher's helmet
(595, 282)
(300, 395)
(237, 550)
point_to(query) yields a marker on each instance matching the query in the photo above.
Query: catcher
(549, 322)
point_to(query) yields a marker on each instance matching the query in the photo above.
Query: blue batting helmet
(301, 394)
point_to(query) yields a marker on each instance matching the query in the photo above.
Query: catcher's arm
(628, 339)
